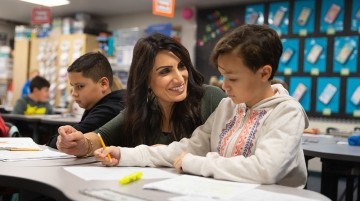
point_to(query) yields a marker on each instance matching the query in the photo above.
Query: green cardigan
(112, 130)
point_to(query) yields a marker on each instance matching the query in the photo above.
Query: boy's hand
(312, 131)
(71, 141)
(101, 155)
(178, 162)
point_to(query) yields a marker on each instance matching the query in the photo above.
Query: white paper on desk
(259, 195)
(317, 135)
(45, 154)
(18, 143)
(115, 173)
(251, 195)
(201, 186)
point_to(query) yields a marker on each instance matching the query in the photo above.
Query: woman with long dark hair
(166, 101)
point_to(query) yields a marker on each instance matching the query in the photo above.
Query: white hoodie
(260, 145)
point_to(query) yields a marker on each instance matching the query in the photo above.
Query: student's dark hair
(143, 114)
(39, 83)
(93, 65)
(256, 45)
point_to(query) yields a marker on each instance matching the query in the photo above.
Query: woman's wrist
(89, 147)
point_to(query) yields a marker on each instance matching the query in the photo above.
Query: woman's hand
(101, 155)
(71, 141)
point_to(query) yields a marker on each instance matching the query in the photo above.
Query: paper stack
(18, 144)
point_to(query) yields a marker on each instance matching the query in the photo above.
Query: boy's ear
(266, 72)
(104, 82)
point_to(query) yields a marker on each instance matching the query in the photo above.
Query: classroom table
(338, 160)
(64, 119)
(19, 119)
(50, 179)
(53, 121)
(5, 109)
(58, 110)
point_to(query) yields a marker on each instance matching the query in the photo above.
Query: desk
(60, 120)
(4, 109)
(54, 122)
(19, 120)
(55, 182)
(36, 120)
(338, 159)
(61, 110)
(20, 117)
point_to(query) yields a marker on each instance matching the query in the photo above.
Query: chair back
(13, 130)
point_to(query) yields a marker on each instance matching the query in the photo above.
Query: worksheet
(115, 173)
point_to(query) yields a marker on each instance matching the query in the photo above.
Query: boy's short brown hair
(39, 83)
(257, 45)
(93, 65)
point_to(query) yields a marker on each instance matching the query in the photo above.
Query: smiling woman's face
(168, 78)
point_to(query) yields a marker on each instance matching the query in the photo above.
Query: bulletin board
(320, 60)
(212, 25)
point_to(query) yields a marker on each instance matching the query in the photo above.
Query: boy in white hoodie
(254, 136)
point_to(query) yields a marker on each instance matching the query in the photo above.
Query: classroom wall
(188, 38)
(142, 20)
(324, 123)
(332, 71)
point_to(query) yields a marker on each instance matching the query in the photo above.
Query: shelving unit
(51, 56)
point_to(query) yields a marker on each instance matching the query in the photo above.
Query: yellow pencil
(103, 145)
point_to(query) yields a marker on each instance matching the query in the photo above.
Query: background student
(166, 101)
(91, 78)
(254, 136)
(37, 102)
(26, 87)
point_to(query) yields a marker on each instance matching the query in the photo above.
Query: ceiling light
(48, 3)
